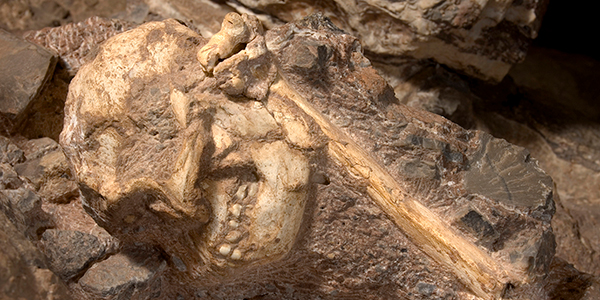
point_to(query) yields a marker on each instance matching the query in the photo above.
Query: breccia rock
(480, 38)
(281, 164)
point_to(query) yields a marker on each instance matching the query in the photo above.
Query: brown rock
(9, 179)
(275, 158)
(75, 43)
(24, 208)
(431, 87)
(482, 39)
(127, 275)
(549, 106)
(70, 253)
(24, 69)
(10, 153)
(23, 271)
(26, 15)
(47, 168)
(205, 16)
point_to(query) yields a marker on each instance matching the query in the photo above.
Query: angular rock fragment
(48, 170)
(252, 159)
(10, 153)
(127, 275)
(24, 69)
(23, 271)
(482, 39)
(24, 208)
(69, 253)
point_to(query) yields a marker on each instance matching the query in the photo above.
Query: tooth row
(235, 211)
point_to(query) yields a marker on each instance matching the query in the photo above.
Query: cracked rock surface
(480, 38)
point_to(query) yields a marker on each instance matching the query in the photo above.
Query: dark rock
(507, 173)
(426, 289)
(476, 222)
(127, 275)
(70, 253)
(549, 106)
(24, 69)
(430, 87)
(9, 179)
(593, 291)
(47, 113)
(24, 208)
(10, 153)
(23, 271)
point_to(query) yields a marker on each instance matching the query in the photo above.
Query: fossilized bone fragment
(231, 154)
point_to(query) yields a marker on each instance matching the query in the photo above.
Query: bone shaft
(477, 270)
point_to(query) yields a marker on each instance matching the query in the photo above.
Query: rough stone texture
(24, 15)
(482, 39)
(429, 156)
(30, 14)
(127, 275)
(24, 208)
(550, 107)
(23, 271)
(547, 104)
(74, 42)
(431, 87)
(10, 153)
(48, 170)
(24, 69)
(204, 16)
(244, 195)
(69, 253)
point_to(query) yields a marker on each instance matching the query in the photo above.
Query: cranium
(163, 156)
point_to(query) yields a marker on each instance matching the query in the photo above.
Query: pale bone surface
(281, 164)
(482, 38)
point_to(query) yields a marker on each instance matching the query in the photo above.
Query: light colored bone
(477, 270)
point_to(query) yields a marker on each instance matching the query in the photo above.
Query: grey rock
(501, 171)
(10, 153)
(70, 253)
(425, 288)
(9, 179)
(24, 69)
(126, 275)
(24, 208)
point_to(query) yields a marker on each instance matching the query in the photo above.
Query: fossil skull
(164, 156)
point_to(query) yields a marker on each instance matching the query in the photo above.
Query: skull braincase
(163, 156)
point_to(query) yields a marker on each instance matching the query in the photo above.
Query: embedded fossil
(214, 150)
